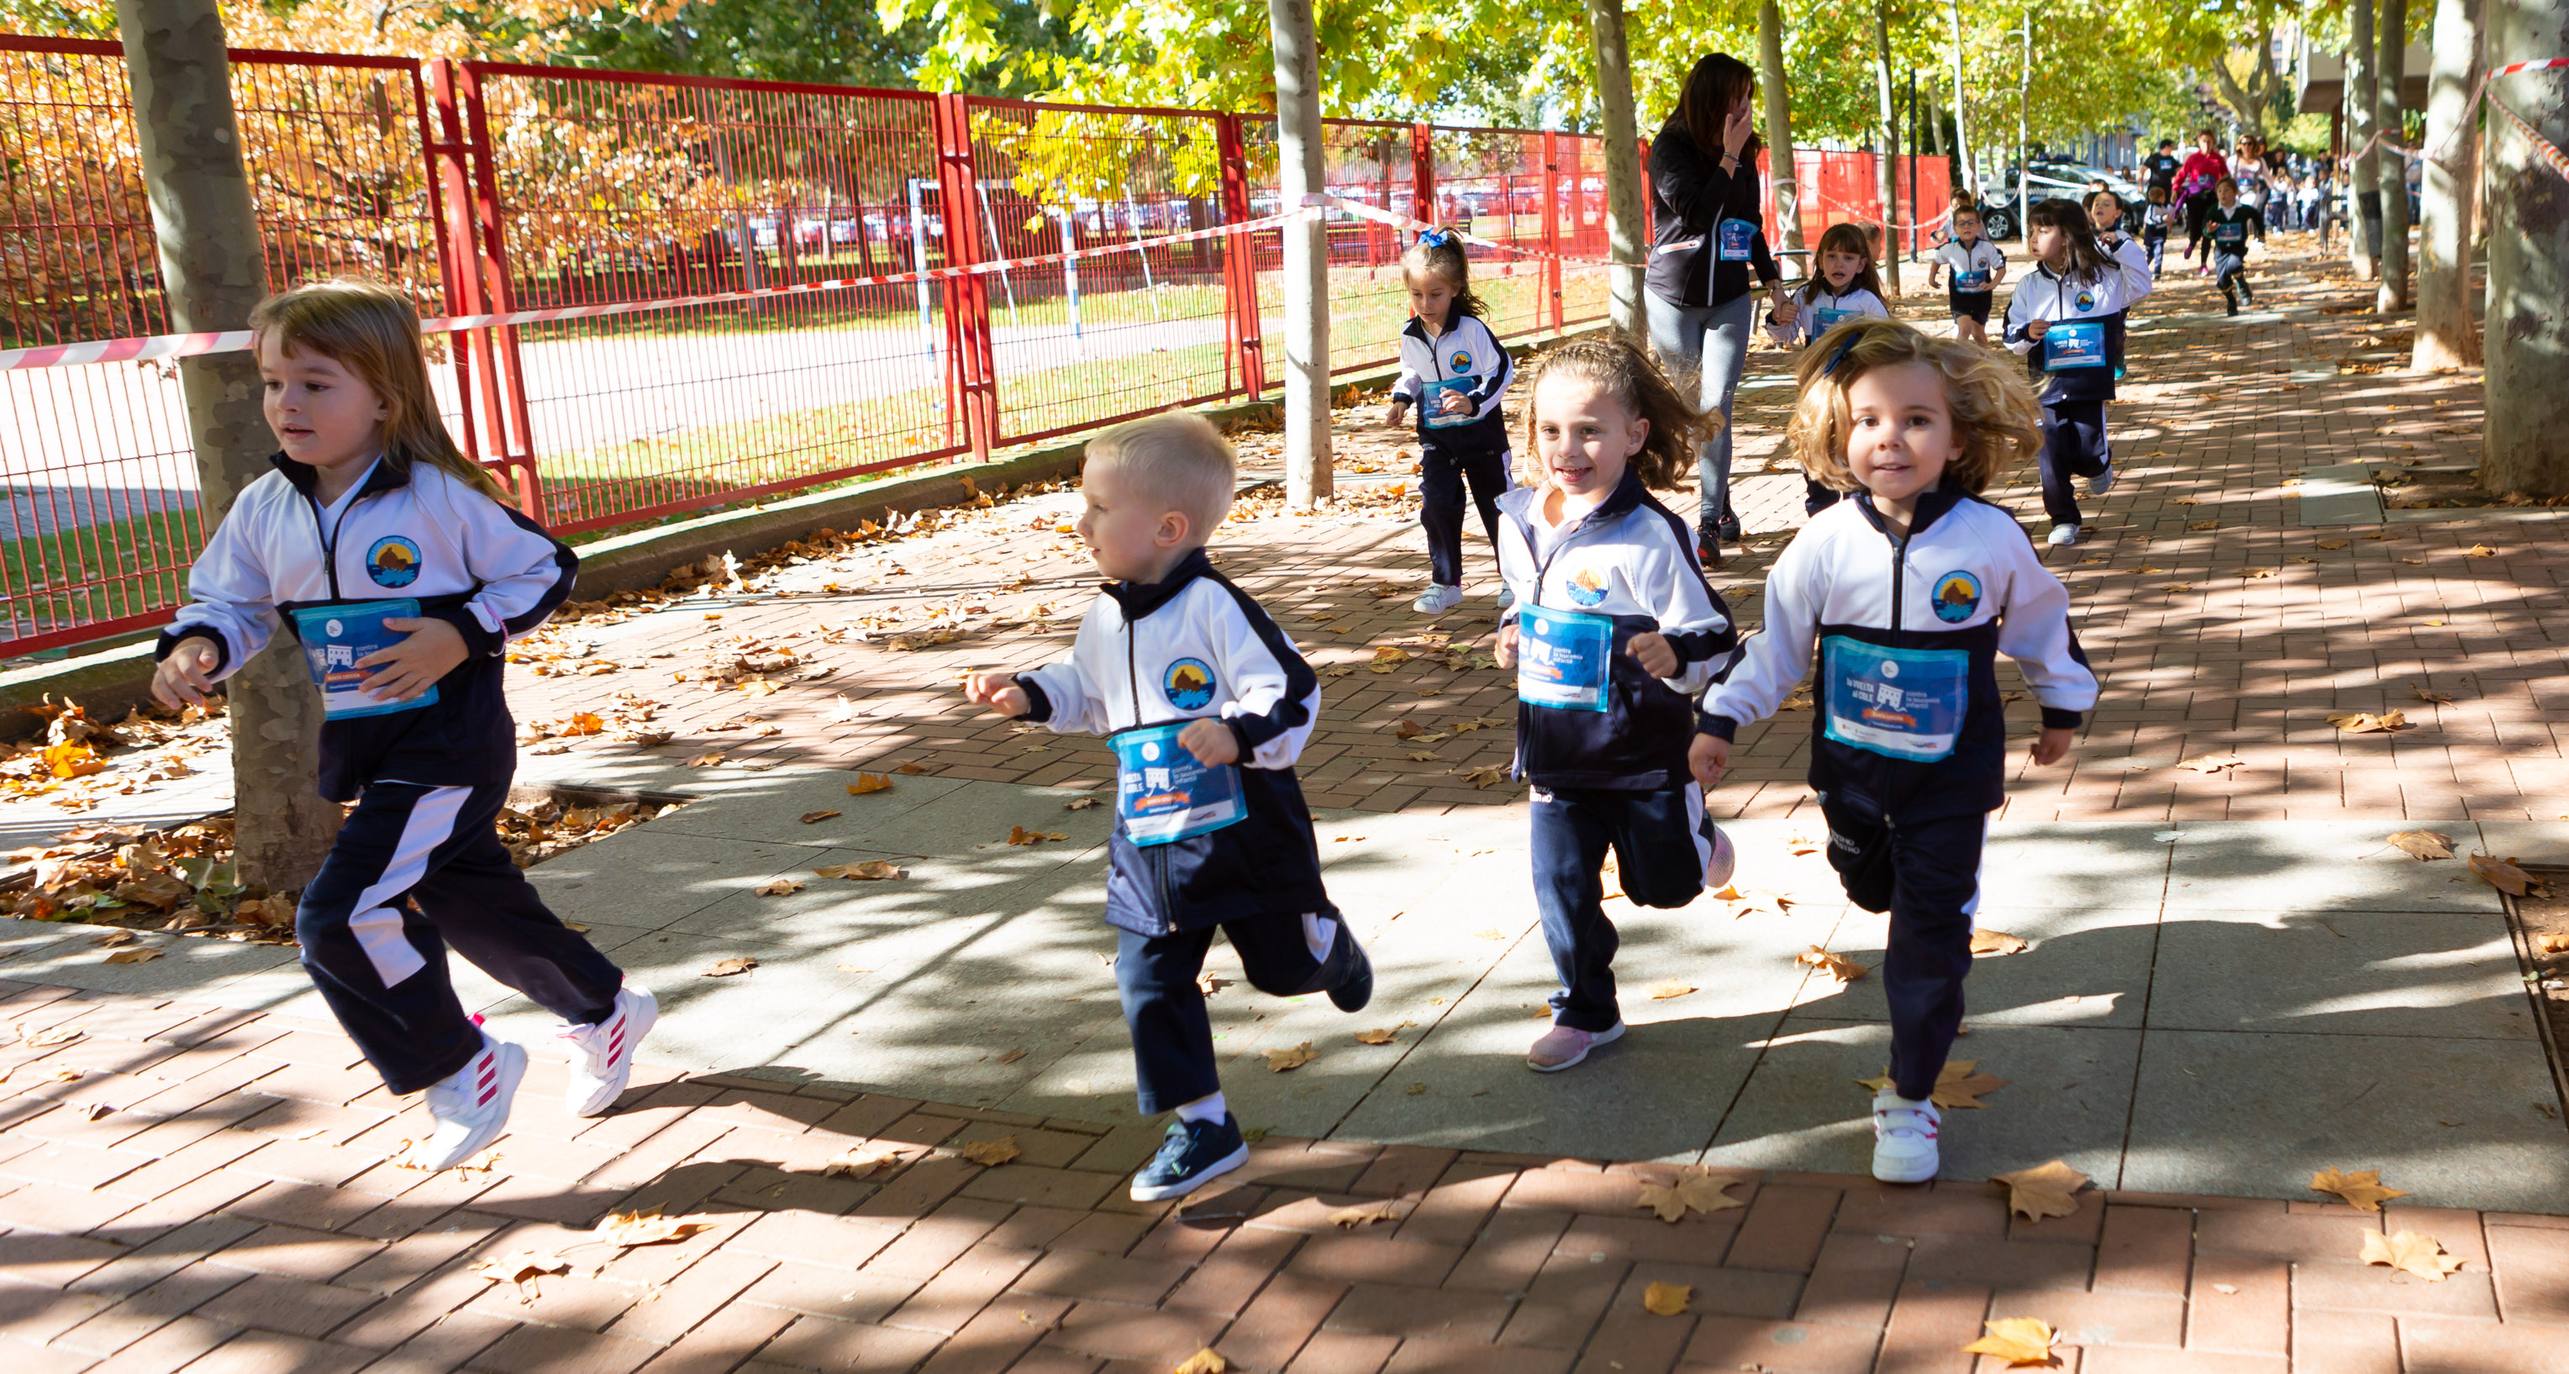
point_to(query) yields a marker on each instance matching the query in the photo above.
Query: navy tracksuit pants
(1173, 1061)
(414, 870)
(1927, 875)
(1661, 840)
(1442, 477)
(2073, 446)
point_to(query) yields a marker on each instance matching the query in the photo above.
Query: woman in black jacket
(1707, 241)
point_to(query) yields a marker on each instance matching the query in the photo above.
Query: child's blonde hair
(1177, 457)
(1439, 253)
(372, 330)
(1628, 372)
(1995, 417)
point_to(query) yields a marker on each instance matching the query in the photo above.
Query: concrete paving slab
(2545, 841)
(2085, 968)
(2443, 975)
(2315, 866)
(2459, 1123)
(2338, 494)
(2072, 865)
(929, 891)
(2066, 1097)
(920, 816)
(76, 960)
(646, 876)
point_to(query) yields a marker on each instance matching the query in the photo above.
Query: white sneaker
(1725, 862)
(1506, 599)
(1437, 600)
(471, 1106)
(602, 1055)
(2062, 535)
(2102, 482)
(1904, 1138)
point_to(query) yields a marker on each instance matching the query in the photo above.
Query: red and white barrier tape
(147, 348)
(1865, 212)
(2542, 147)
(2481, 92)
(1359, 209)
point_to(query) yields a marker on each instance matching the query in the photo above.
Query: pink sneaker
(1725, 862)
(1562, 1047)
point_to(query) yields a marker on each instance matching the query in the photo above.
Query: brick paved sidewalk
(211, 1190)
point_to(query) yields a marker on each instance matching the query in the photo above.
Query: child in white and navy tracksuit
(1207, 704)
(2157, 217)
(1454, 370)
(1846, 286)
(1897, 604)
(1606, 582)
(2105, 216)
(2061, 320)
(418, 866)
(1976, 266)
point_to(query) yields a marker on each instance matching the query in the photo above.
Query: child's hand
(430, 651)
(1708, 758)
(2052, 745)
(183, 678)
(1786, 312)
(1504, 651)
(1654, 653)
(1398, 411)
(1211, 741)
(2035, 329)
(1454, 403)
(999, 692)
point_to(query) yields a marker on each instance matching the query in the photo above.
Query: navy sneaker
(1193, 1154)
(1357, 988)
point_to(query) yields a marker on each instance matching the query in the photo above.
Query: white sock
(1319, 933)
(1204, 1109)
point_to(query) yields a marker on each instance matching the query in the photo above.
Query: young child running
(1977, 266)
(2157, 216)
(1207, 705)
(1847, 287)
(402, 571)
(1612, 631)
(1901, 598)
(2105, 215)
(1454, 369)
(2060, 319)
(2225, 240)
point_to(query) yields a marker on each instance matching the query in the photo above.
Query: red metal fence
(489, 187)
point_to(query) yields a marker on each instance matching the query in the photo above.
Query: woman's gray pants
(1710, 342)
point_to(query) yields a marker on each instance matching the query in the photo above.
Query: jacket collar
(1453, 317)
(1526, 502)
(1932, 506)
(1139, 599)
(304, 477)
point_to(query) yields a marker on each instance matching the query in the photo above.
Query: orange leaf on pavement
(1667, 1299)
(2410, 1253)
(2362, 1188)
(2046, 1190)
(2023, 1342)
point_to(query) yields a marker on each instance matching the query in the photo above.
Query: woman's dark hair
(1717, 82)
(1845, 236)
(2087, 257)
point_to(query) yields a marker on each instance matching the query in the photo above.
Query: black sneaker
(1728, 528)
(1357, 988)
(2233, 302)
(1193, 1154)
(1708, 545)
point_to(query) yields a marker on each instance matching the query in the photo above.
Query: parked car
(2045, 180)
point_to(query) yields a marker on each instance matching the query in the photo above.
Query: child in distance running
(1977, 266)
(1454, 369)
(1846, 287)
(2060, 319)
(1613, 629)
(1899, 601)
(1207, 704)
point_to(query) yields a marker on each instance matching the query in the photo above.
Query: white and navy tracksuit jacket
(421, 534)
(418, 866)
(1190, 646)
(2047, 295)
(1629, 560)
(1959, 258)
(1846, 600)
(1808, 324)
(1468, 351)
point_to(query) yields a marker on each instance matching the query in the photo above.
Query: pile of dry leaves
(68, 761)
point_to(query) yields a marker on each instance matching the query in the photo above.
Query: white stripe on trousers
(374, 920)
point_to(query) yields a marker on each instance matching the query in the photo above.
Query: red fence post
(1239, 258)
(1552, 224)
(1422, 175)
(450, 186)
(974, 374)
(515, 439)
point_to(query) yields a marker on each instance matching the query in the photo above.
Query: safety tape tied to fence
(2542, 147)
(148, 348)
(1831, 202)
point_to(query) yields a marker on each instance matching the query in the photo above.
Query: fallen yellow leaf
(2363, 1188)
(1286, 1061)
(2423, 845)
(2046, 1190)
(2023, 1342)
(1837, 966)
(1020, 835)
(139, 954)
(647, 1228)
(816, 817)
(2501, 874)
(1695, 1190)
(2409, 1253)
(1349, 1218)
(1959, 1085)
(1997, 943)
(777, 887)
(1205, 1361)
(990, 1154)
(861, 1161)
(727, 967)
(1667, 1299)
(1670, 991)
(2367, 723)
(867, 784)
(870, 871)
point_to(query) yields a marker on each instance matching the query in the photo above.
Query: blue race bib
(1431, 394)
(1564, 659)
(2072, 344)
(2229, 235)
(335, 637)
(1899, 703)
(1822, 319)
(1735, 236)
(1162, 793)
(1972, 282)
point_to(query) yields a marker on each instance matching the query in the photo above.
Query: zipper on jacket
(1899, 571)
(329, 539)
(1133, 693)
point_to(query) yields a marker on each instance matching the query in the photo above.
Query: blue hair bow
(1845, 346)
(1434, 238)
